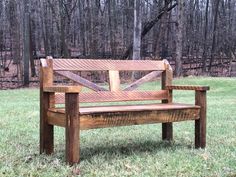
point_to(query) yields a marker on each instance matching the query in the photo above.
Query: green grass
(123, 151)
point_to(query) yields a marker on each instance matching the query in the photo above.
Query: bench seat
(128, 108)
(122, 115)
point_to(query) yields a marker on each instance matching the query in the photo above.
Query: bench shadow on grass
(130, 149)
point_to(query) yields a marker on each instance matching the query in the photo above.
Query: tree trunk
(14, 31)
(137, 33)
(213, 48)
(66, 9)
(137, 30)
(179, 38)
(26, 51)
(111, 31)
(32, 49)
(82, 24)
(204, 55)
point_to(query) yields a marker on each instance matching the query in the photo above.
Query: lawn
(123, 151)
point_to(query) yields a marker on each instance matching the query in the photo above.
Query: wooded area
(183, 31)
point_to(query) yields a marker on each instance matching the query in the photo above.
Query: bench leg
(72, 128)
(46, 130)
(200, 124)
(167, 131)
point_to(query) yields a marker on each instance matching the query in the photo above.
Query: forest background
(196, 36)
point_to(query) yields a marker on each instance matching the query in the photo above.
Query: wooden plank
(63, 89)
(113, 119)
(187, 87)
(136, 118)
(132, 107)
(92, 97)
(200, 125)
(142, 80)
(114, 80)
(137, 107)
(103, 65)
(47, 100)
(72, 128)
(167, 77)
(81, 81)
(56, 118)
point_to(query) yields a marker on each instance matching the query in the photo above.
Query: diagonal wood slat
(105, 65)
(142, 80)
(81, 81)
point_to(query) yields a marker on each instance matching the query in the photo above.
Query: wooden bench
(75, 117)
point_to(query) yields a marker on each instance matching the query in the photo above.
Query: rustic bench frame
(74, 121)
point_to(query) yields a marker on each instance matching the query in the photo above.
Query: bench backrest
(64, 67)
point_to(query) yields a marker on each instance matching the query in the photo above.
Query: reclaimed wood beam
(84, 82)
(142, 80)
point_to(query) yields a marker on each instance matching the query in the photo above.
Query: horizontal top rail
(103, 65)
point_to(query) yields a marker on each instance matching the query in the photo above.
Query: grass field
(123, 151)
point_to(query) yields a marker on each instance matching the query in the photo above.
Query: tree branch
(148, 26)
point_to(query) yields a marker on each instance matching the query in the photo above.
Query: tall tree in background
(204, 55)
(179, 37)
(137, 32)
(14, 30)
(213, 47)
(26, 38)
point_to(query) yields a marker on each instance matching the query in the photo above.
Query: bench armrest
(63, 89)
(187, 87)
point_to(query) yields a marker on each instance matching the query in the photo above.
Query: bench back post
(47, 100)
(166, 79)
(46, 72)
(46, 78)
(167, 76)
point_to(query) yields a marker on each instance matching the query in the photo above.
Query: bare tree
(213, 47)
(179, 37)
(137, 33)
(204, 57)
(137, 30)
(26, 51)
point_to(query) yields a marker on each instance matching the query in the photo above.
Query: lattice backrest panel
(66, 68)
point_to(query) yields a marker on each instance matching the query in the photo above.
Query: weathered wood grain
(63, 89)
(72, 130)
(110, 116)
(167, 77)
(142, 80)
(103, 65)
(200, 124)
(84, 82)
(47, 100)
(187, 87)
(114, 80)
(92, 97)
